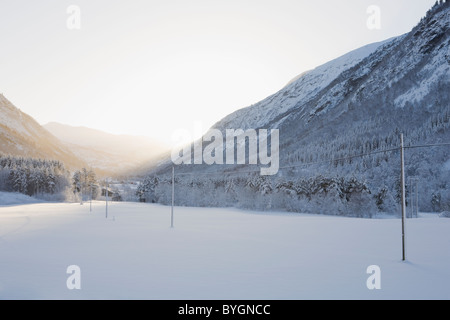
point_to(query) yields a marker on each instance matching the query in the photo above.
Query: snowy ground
(215, 254)
(11, 198)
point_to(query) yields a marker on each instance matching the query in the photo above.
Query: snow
(12, 198)
(12, 118)
(435, 71)
(299, 90)
(447, 166)
(347, 107)
(215, 254)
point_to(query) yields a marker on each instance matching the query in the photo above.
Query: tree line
(48, 179)
(32, 176)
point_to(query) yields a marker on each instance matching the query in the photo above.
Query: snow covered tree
(85, 183)
(32, 176)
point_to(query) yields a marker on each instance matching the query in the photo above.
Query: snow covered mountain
(303, 88)
(21, 135)
(107, 152)
(408, 73)
(356, 104)
(76, 147)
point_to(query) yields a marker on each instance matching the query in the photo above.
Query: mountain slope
(417, 61)
(108, 152)
(21, 135)
(356, 104)
(402, 87)
(303, 88)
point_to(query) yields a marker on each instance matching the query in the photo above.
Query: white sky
(151, 67)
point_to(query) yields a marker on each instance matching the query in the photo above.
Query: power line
(340, 159)
(292, 166)
(216, 173)
(428, 145)
(336, 160)
(314, 162)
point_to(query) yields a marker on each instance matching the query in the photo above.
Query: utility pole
(90, 183)
(402, 156)
(81, 190)
(106, 194)
(173, 196)
(90, 207)
(414, 196)
(85, 179)
(417, 197)
(410, 202)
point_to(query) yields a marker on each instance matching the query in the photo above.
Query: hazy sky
(150, 67)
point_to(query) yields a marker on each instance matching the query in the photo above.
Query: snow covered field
(215, 254)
